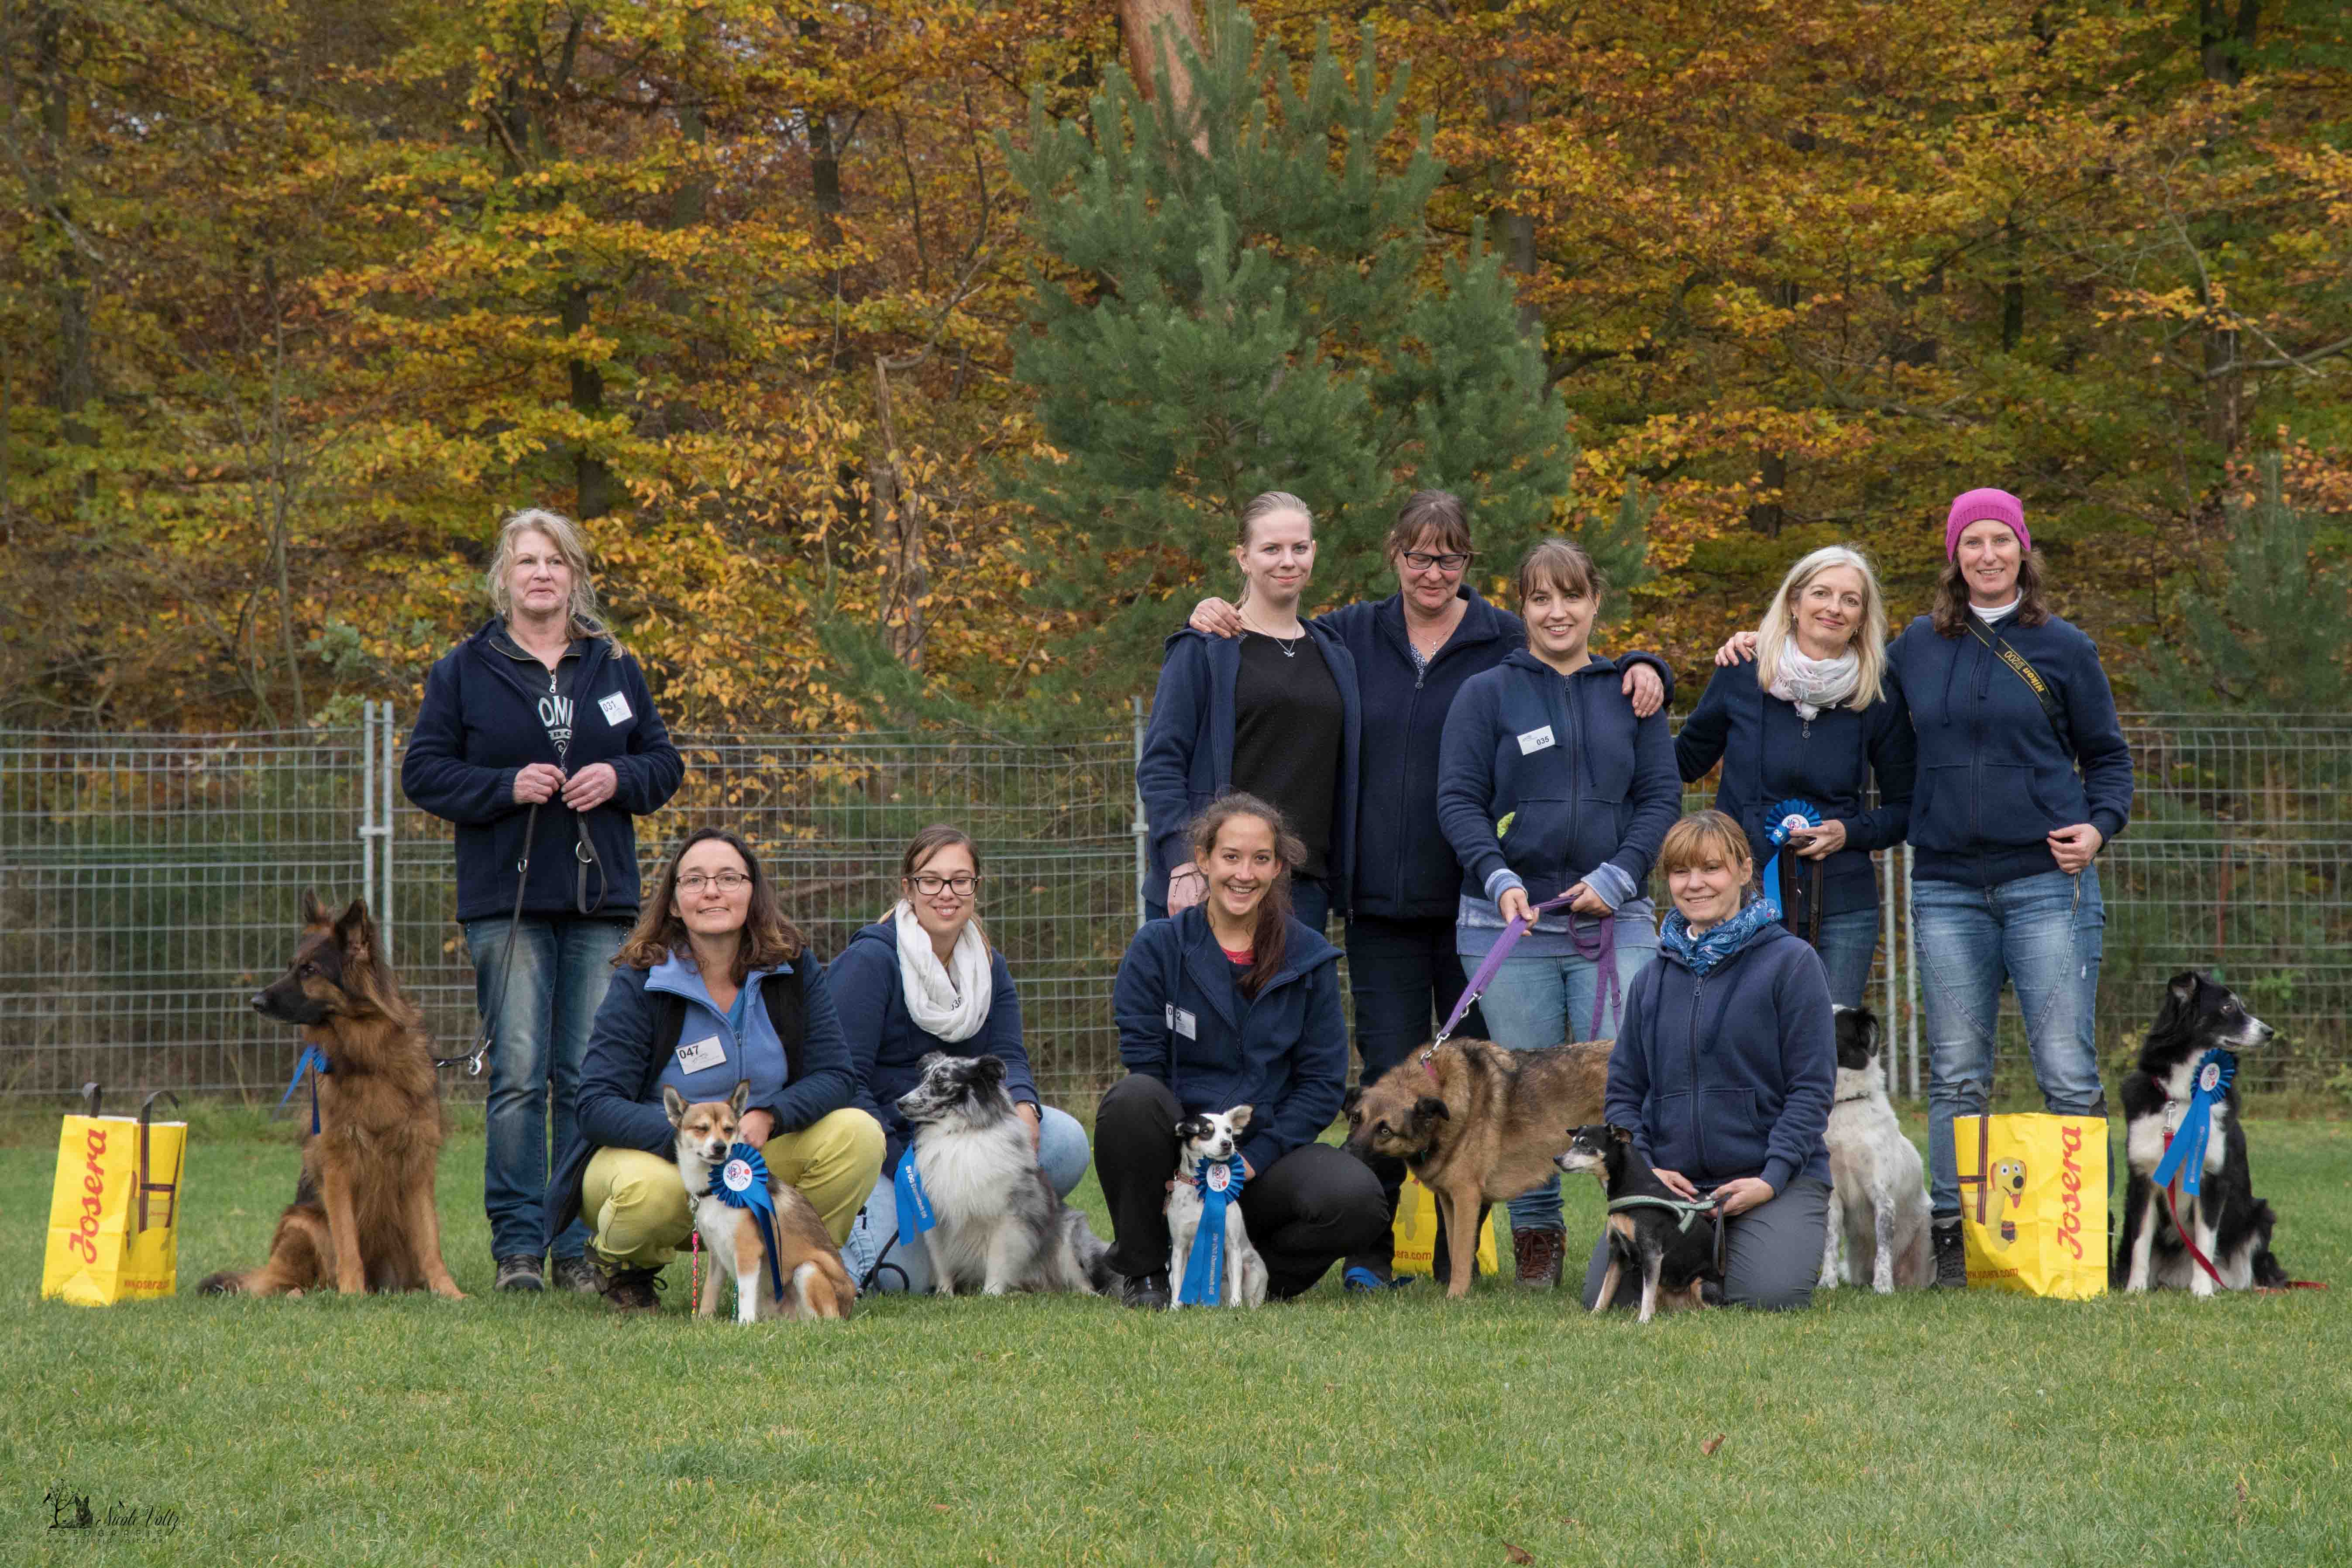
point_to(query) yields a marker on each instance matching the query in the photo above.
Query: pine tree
(1240, 296)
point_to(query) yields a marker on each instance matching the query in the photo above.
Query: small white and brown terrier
(1212, 1138)
(1878, 1203)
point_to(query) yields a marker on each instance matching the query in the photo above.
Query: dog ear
(1239, 1116)
(1622, 1134)
(1192, 1127)
(741, 1097)
(355, 931)
(675, 1104)
(1355, 1097)
(1429, 1107)
(315, 913)
(2179, 996)
(986, 1071)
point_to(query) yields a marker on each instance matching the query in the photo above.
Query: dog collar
(1850, 1098)
(1688, 1211)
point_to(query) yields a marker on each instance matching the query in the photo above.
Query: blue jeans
(1062, 1155)
(1848, 941)
(2042, 933)
(1532, 1002)
(539, 1034)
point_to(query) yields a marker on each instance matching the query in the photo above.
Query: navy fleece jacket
(480, 725)
(1404, 869)
(1544, 780)
(885, 1041)
(1188, 750)
(620, 1105)
(1994, 777)
(1184, 1020)
(1769, 753)
(1731, 1075)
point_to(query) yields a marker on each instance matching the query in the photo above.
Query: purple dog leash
(1604, 951)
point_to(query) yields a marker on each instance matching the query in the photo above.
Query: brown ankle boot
(1540, 1254)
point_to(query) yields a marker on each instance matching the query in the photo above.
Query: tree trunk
(1509, 105)
(1767, 514)
(590, 475)
(77, 380)
(898, 527)
(2225, 33)
(1151, 29)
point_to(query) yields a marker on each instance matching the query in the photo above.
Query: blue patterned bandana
(1701, 953)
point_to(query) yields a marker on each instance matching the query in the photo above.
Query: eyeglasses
(961, 886)
(1452, 561)
(725, 882)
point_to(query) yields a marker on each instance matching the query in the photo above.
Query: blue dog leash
(311, 1057)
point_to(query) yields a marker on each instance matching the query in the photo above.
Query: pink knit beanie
(1983, 506)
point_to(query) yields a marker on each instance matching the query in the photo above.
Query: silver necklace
(1290, 648)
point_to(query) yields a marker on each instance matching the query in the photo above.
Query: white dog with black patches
(1214, 1139)
(1878, 1202)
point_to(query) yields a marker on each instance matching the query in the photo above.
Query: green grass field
(1404, 1430)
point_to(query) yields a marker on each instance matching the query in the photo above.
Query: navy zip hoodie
(479, 726)
(1404, 869)
(885, 1042)
(1545, 779)
(1994, 778)
(1182, 1019)
(1730, 1075)
(620, 1106)
(1188, 750)
(1769, 753)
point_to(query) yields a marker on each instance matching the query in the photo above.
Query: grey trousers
(1772, 1256)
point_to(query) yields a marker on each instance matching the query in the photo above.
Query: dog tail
(821, 1287)
(1092, 1254)
(2269, 1273)
(227, 1282)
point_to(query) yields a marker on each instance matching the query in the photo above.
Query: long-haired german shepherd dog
(1477, 1124)
(363, 1216)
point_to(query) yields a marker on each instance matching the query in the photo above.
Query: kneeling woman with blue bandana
(1232, 1001)
(715, 988)
(1725, 1065)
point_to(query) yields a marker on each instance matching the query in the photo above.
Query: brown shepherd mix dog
(363, 1216)
(1478, 1124)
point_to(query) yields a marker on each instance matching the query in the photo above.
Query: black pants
(1317, 1204)
(1405, 978)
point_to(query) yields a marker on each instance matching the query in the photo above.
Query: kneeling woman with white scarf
(925, 979)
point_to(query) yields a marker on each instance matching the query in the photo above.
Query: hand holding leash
(537, 783)
(1744, 1193)
(1677, 1183)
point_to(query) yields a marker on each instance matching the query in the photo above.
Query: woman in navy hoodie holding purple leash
(1550, 784)
(540, 717)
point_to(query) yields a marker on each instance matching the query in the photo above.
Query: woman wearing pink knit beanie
(2023, 775)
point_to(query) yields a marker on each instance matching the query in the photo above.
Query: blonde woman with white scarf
(1813, 720)
(922, 979)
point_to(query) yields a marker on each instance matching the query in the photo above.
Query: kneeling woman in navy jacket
(715, 988)
(1723, 1068)
(1232, 1001)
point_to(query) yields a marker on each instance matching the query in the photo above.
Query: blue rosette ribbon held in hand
(740, 1182)
(2184, 1157)
(1219, 1184)
(1781, 820)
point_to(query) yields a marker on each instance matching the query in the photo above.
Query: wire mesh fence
(149, 884)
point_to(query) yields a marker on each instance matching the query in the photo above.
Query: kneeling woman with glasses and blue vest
(925, 978)
(715, 988)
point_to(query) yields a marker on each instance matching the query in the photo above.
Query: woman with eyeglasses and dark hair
(926, 978)
(713, 988)
(1412, 651)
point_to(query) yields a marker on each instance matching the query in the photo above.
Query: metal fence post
(1886, 946)
(384, 920)
(1911, 969)
(1142, 827)
(367, 804)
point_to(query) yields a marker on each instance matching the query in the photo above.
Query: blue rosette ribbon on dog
(1219, 1184)
(915, 1215)
(1784, 819)
(2184, 1157)
(742, 1183)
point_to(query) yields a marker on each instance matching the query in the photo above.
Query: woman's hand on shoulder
(1030, 1114)
(1644, 689)
(1746, 1193)
(1186, 887)
(1216, 618)
(1738, 648)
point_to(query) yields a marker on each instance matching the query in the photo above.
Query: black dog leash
(472, 1060)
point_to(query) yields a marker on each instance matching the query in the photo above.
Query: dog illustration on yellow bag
(2008, 1182)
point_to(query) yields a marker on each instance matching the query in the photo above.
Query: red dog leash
(2172, 1206)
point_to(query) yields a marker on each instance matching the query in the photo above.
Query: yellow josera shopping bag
(114, 1216)
(2033, 1203)
(1415, 1232)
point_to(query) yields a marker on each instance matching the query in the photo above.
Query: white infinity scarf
(951, 1007)
(1813, 684)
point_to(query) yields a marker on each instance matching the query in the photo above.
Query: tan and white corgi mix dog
(816, 1283)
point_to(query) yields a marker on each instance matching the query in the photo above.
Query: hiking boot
(518, 1272)
(632, 1289)
(578, 1276)
(1540, 1254)
(1149, 1291)
(1952, 1256)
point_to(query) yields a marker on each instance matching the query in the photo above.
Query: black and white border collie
(2232, 1227)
